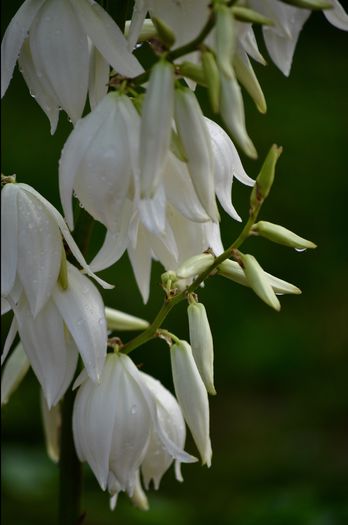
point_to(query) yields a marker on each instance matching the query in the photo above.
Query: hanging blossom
(101, 163)
(125, 423)
(281, 38)
(64, 49)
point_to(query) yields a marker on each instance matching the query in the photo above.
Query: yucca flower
(112, 424)
(64, 48)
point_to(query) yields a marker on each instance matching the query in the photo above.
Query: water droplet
(81, 205)
(300, 250)
(134, 409)
(101, 321)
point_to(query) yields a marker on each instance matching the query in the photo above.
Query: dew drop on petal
(134, 409)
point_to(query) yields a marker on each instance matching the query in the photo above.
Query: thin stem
(152, 331)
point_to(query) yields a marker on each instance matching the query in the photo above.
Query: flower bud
(117, 320)
(265, 178)
(233, 271)
(202, 344)
(246, 76)
(164, 32)
(281, 235)
(212, 79)
(224, 39)
(194, 72)
(192, 396)
(258, 281)
(14, 371)
(195, 265)
(244, 14)
(52, 421)
(314, 5)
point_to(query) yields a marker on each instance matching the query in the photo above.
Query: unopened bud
(195, 265)
(281, 235)
(194, 72)
(258, 281)
(201, 341)
(117, 320)
(265, 178)
(314, 5)
(224, 38)
(52, 420)
(212, 78)
(164, 32)
(246, 76)
(244, 14)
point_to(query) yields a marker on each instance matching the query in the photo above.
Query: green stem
(152, 331)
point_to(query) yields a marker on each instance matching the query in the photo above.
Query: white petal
(39, 250)
(51, 420)
(67, 235)
(138, 17)
(82, 309)
(39, 87)
(337, 15)
(99, 71)
(9, 237)
(14, 37)
(107, 37)
(104, 174)
(247, 41)
(180, 191)
(60, 53)
(114, 244)
(5, 306)
(195, 138)
(45, 343)
(11, 335)
(192, 396)
(155, 132)
(140, 258)
(74, 150)
(14, 371)
(152, 211)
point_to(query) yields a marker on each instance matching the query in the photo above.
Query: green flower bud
(244, 14)
(212, 79)
(164, 32)
(117, 320)
(224, 38)
(194, 72)
(246, 76)
(281, 235)
(265, 178)
(258, 281)
(314, 5)
(195, 265)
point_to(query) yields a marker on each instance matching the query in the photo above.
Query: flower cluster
(147, 164)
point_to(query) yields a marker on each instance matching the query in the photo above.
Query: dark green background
(279, 421)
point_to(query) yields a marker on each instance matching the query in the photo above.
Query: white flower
(31, 231)
(192, 397)
(71, 321)
(112, 422)
(53, 41)
(281, 39)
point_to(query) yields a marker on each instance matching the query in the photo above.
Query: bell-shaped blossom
(281, 38)
(157, 460)
(72, 321)
(192, 397)
(55, 42)
(32, 232)
(112, 423)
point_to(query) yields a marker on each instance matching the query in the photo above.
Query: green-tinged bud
(138, 102)
(16, 367)
(202, 344)
(52, 421)
(176, 147)
(281, 235)
(212, 78)
(63, 272)
(258, 281)
(232, 113)
(195, 265)
(192, 397)
(314, 5)
(225, 38)
(233, 271)
(194, 72)
(117, 320)
(246, 76)
(147, 32)
(164, 32)
(244, 14)
(167, 277)
(265, 178)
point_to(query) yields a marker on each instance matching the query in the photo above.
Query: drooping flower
(112, 423)
(32, 231)
(63, 46)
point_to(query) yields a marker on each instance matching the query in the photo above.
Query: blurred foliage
(279, 421)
